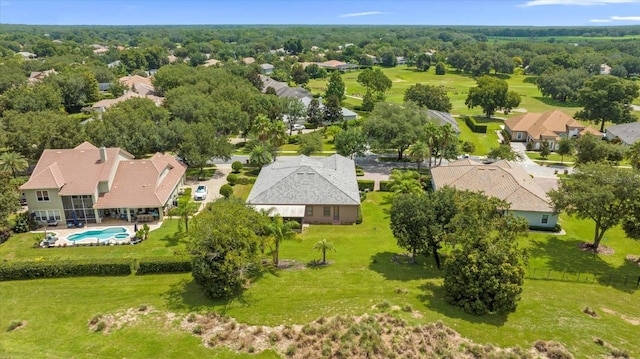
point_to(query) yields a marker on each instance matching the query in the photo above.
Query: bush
(293, 139)
(77, 268)
(359, 219)
(164, 265)
(468, 147)
(385, 186)
(310, 126)
(23, 223)
(529, 146)
(474, 126)
(5, 234)
(226, 190)
(359, 171)
(366, 185)
(554, 229)
(232, 179)
(236, 166)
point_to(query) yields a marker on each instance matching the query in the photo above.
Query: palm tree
(324, 246)
(407, 182)
(447, 137)
(418, 152)
(260, 155)
(13, 162)
(433, 137)
(281, 230)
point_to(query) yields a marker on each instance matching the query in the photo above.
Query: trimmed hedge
(164, 265)
(366, 185)
(44, 269)
(385, 186)
(474, 126)
(555, 229)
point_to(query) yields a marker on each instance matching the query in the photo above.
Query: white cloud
(626, 18)
(576, 2)
(366, 13)
(600, 20)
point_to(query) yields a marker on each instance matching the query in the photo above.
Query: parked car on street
(298, 126)
(200, 193)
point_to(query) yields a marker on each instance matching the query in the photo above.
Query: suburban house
(338, 65)
(503, 180)
(626, 133)
(605, 69)
(27, 55)
(282, 89)
(87, 184)
(102, 105)
(444, 118)
(551, 126)
(140, 87)
(266, 69)
(37, 76)
(309, 189)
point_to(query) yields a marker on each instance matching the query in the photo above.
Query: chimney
(103, 154)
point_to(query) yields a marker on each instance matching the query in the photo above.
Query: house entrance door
(336, 213)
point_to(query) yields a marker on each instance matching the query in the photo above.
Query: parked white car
(200, 193)
(297, 127)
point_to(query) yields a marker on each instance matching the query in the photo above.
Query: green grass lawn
(361, 274)
(484, 142)
(457, 85)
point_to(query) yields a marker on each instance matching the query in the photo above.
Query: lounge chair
(79, 224)
(52, 222)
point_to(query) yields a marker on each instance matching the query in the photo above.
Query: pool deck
(63, 233)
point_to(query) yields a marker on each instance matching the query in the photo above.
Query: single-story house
(627, 133)
(504, 180)
(309, 189)
(551, 126)
(37, 76)
(444, 118)
(338, 65)
(266, 69)
(102, 105)
(27, 55)
(88, 184)
(605, 69)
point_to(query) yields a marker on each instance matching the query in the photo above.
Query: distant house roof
(548, 124)
(628, 133)
(443, 118)
(104, 86)
(113, 64)
(38, 76)
(337, 65)
(248, 60)
(305, 180)
(502, 179)
(128, 95)
(211, 62)
(266, 66)
(282, 88)
(27, 55)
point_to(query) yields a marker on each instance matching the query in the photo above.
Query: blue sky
(340, 12)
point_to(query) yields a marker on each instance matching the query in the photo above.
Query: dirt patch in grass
(590, 312)
(634, 259)
(290, 264)
(626, 318)
(16, 324)
(602, 249)
(382, 335)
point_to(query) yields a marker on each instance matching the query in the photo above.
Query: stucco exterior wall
(346, 215)
(54, 202)
(535, 218)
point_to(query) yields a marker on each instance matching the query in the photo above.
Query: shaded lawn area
(361, 274)
(535, 155)
(206, 172)
(484, 142)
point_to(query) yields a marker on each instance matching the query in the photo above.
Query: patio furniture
(69, 224)
(52, 222)
(79, 224)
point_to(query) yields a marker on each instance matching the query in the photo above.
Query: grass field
(361, 274)
(457, 85)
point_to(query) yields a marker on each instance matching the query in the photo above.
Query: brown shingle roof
(549, 124)
(74, 171)
(131, 81)
(143, 183)
(501, 180)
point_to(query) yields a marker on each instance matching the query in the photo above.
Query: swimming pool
(102, 235)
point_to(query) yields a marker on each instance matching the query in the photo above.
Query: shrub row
(164, 265)
(385, 186)
(83, 268)
(554, 229)
(366, 185)
(474, 126)
(33, 269)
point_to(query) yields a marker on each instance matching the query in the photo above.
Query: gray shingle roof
(627, 132)
(305, 180)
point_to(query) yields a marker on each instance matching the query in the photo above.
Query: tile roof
(305, 180)
(128, 95)
(548, 124)
(143, 183)
(74, 171)
(131, 81)
(502, 179)
(626, 132)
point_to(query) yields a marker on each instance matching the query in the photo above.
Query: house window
(40, 215)
(308, 211)
(545, 218)
(326, 211)
(42, 196)
(518, 135)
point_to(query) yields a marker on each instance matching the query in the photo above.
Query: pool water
(101, 234)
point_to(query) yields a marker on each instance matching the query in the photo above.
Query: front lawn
(364, 271)
(484, 142)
